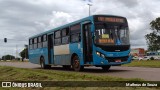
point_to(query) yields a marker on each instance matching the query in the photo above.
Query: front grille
(113, 59)
(114, 48)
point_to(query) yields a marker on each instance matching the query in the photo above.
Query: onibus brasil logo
(21, 84)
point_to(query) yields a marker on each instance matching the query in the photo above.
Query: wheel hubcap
(76, 64)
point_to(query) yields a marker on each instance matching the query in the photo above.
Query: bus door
(87, 42)
(50, 48)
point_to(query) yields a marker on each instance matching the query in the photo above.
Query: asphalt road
(149, 74)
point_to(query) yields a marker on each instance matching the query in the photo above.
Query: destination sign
(111, 19)
(106, 41)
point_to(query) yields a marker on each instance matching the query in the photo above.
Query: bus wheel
(76, 64)
(42, 63)
(106, 68)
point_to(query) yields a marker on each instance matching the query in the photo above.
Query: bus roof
(70, 24)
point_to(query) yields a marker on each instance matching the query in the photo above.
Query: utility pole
(89, 5)
(5, 40)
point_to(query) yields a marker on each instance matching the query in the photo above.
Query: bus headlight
(98, 53)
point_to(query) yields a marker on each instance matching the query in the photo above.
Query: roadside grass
(144, 63)
(21, 74)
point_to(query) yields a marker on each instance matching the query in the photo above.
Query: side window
(39, 42)
(30, 43)
(65, 40)
(57, 34)
(39, 39)
(57, 38)
(75, 33)
(65, 32)
(75, 37)
(65, 36)
(75, 28)
(44, 39)
(35, 40)
(57, 41)
(35, 43)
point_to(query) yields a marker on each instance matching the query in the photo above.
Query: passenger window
(75, 29)
(39, 39)
(44, 38)
(65, 40)
(75, 37)
(65, 32)
(57, 34)
(57, 41)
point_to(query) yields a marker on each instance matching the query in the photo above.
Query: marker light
(98, 53)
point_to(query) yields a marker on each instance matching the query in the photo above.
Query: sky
(20, 19)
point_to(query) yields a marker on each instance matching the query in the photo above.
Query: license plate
(118, 60)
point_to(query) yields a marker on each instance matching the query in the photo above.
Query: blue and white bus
(97, 40)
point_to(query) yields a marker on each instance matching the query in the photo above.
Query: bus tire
(42, 63)
(106, 68)
(76, 64)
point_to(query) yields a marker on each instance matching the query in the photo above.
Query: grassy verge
(144, 63)
(12, 73)
(18, 74)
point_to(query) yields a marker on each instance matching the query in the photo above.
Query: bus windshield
(111, 34)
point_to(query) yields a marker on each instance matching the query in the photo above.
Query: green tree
(8, 57)
(155, 25)
(153, 39)
(24, 53)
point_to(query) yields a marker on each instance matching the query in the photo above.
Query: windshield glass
(111, 35)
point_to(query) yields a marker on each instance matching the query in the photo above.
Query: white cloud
(60, 18)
